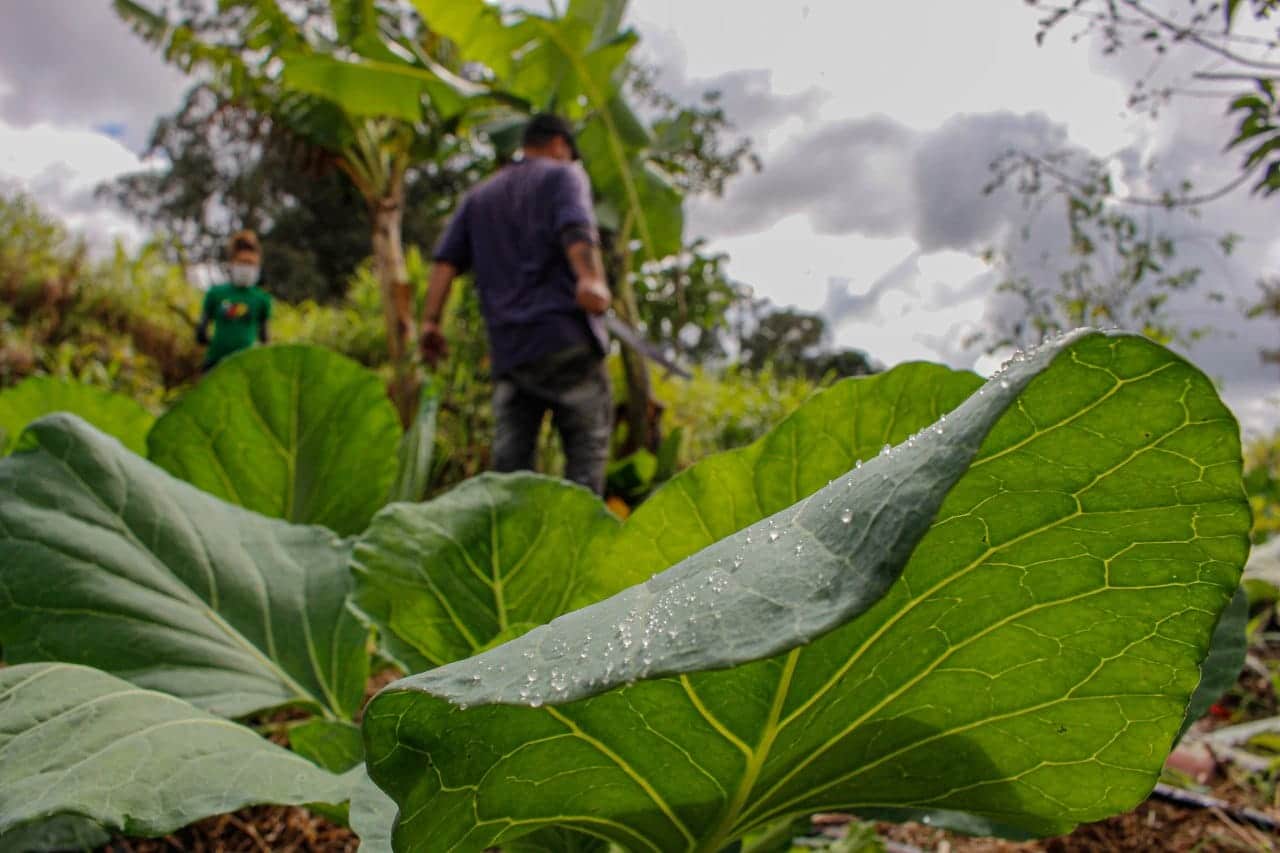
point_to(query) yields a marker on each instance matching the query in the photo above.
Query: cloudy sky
(876, 130)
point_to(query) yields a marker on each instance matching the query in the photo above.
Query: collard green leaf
(63, 832)
(1003, 616)
(332, 744)
(1226, 656)
(33, 398)
(492, 558)
(107, 561)
(372, 813)
(292, 432)
(78, 742)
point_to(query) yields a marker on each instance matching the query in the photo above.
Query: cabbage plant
(922, 596)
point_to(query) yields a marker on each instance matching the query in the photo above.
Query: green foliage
(227, 167)
(417, 450)
(1123, 265)
(1084, 506)
(1259, 129)
(114, 414)
(124, 324)
(1069, 707)
(331, 744)
(577, 64)
(79, 742)
(1207, 38)
(290, 432)
(721, 411)
(791, 342)
(109, 562)
(444, 580)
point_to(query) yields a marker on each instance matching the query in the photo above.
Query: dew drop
(1004, 383)
(535, 702)
(846, 516)
(799, 550)
(773, 536)
(886, 448)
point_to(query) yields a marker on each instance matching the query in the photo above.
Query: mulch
(263, 829)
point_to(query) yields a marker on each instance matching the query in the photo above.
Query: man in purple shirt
(528, 234)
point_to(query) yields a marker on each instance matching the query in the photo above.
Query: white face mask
(244, 275)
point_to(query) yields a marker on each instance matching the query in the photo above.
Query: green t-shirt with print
(238, 314)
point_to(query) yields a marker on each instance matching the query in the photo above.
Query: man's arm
(432, 343)
(588, 268)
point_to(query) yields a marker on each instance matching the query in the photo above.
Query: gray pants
(574, 386)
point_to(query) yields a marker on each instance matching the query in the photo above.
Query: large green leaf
(489, 560)
(63, 832)
(76, 743)
(359, 88)
(376, 88)
(33, 398)
(434, 578)
(1065, 541)
(107, 561)
(292, 432)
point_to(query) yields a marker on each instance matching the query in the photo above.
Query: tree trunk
(386, 214)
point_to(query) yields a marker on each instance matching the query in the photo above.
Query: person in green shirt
(239, 310)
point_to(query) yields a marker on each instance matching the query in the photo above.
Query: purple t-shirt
(508, 231)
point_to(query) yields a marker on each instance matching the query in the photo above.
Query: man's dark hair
(544, 127)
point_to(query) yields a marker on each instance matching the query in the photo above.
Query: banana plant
(344, 94)
(574, 64)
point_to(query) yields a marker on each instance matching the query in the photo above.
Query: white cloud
(61, 169)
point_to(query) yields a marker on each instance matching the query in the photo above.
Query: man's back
(508, 230)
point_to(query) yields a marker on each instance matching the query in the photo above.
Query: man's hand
(593, 295)
(431, 343)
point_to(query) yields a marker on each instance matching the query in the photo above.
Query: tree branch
(1191, 34)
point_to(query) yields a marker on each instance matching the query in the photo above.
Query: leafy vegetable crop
(114, 414)
(294, 432)
(919, 596)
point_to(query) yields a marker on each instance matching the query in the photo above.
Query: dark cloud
(847, 176)
(879, 178)
(74, 63)
(953, 165)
